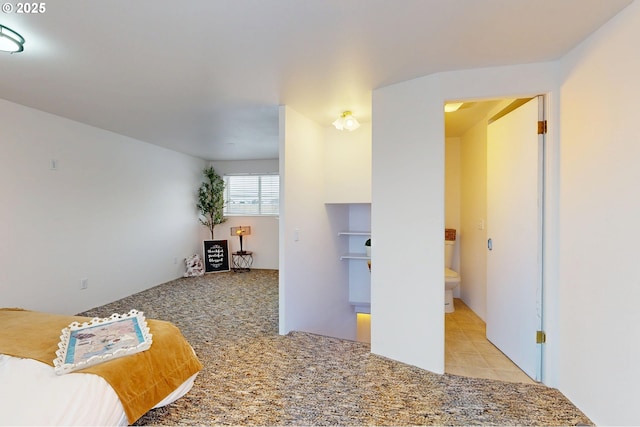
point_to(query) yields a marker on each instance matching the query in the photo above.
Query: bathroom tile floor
(469, 353)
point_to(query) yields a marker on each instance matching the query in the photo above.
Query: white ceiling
(205, 77)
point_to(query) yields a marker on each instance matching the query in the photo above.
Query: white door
(515, 154)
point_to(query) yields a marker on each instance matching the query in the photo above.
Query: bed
(115, 392)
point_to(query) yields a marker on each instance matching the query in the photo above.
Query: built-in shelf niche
(355, 236)
(355, 255)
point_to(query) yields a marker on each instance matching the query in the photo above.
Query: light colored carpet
(253, 376)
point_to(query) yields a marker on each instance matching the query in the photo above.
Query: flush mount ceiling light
(450, 107)
(346, 121)
(10, 41)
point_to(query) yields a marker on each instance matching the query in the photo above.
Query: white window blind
(252, 194)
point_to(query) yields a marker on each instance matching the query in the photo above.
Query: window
(252, 194)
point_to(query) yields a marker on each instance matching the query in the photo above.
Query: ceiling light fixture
(10, 41)
(346, 121)
(450, 107)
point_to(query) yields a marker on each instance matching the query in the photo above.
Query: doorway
(466, 138)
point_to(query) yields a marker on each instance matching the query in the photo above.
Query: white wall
(473, 215)
(348, 165)
(313, 281)
(407, 222)
(452, 183)
(473, 251)
(599, 231)
(117, 212)
(452, 197)
(263, 241)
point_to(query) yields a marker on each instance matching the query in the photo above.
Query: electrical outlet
(84, 284)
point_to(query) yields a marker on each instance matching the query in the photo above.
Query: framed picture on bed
(99, 340)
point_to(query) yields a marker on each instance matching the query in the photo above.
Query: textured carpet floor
(253, 376)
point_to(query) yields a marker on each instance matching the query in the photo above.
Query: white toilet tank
(449, 246)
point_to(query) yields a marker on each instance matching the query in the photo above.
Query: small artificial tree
(211, 200)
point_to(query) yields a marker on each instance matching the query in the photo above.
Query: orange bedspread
(140, 380)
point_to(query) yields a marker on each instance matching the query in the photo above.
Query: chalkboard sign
(216, 256)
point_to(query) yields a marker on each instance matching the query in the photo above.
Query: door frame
(550, 215)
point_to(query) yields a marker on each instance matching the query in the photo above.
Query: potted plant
(211, 200)
(211, 206)
(367, 247)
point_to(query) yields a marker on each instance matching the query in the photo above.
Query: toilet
(451, 277)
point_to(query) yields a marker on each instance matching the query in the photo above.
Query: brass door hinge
(541, 337)
(542, 127)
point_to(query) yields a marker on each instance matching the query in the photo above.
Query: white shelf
(354, 233)
(361, 306)
(354, 256)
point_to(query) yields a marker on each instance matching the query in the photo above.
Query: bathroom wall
(473, 217)
(452, 183)
(473, 212)
(452, 196)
